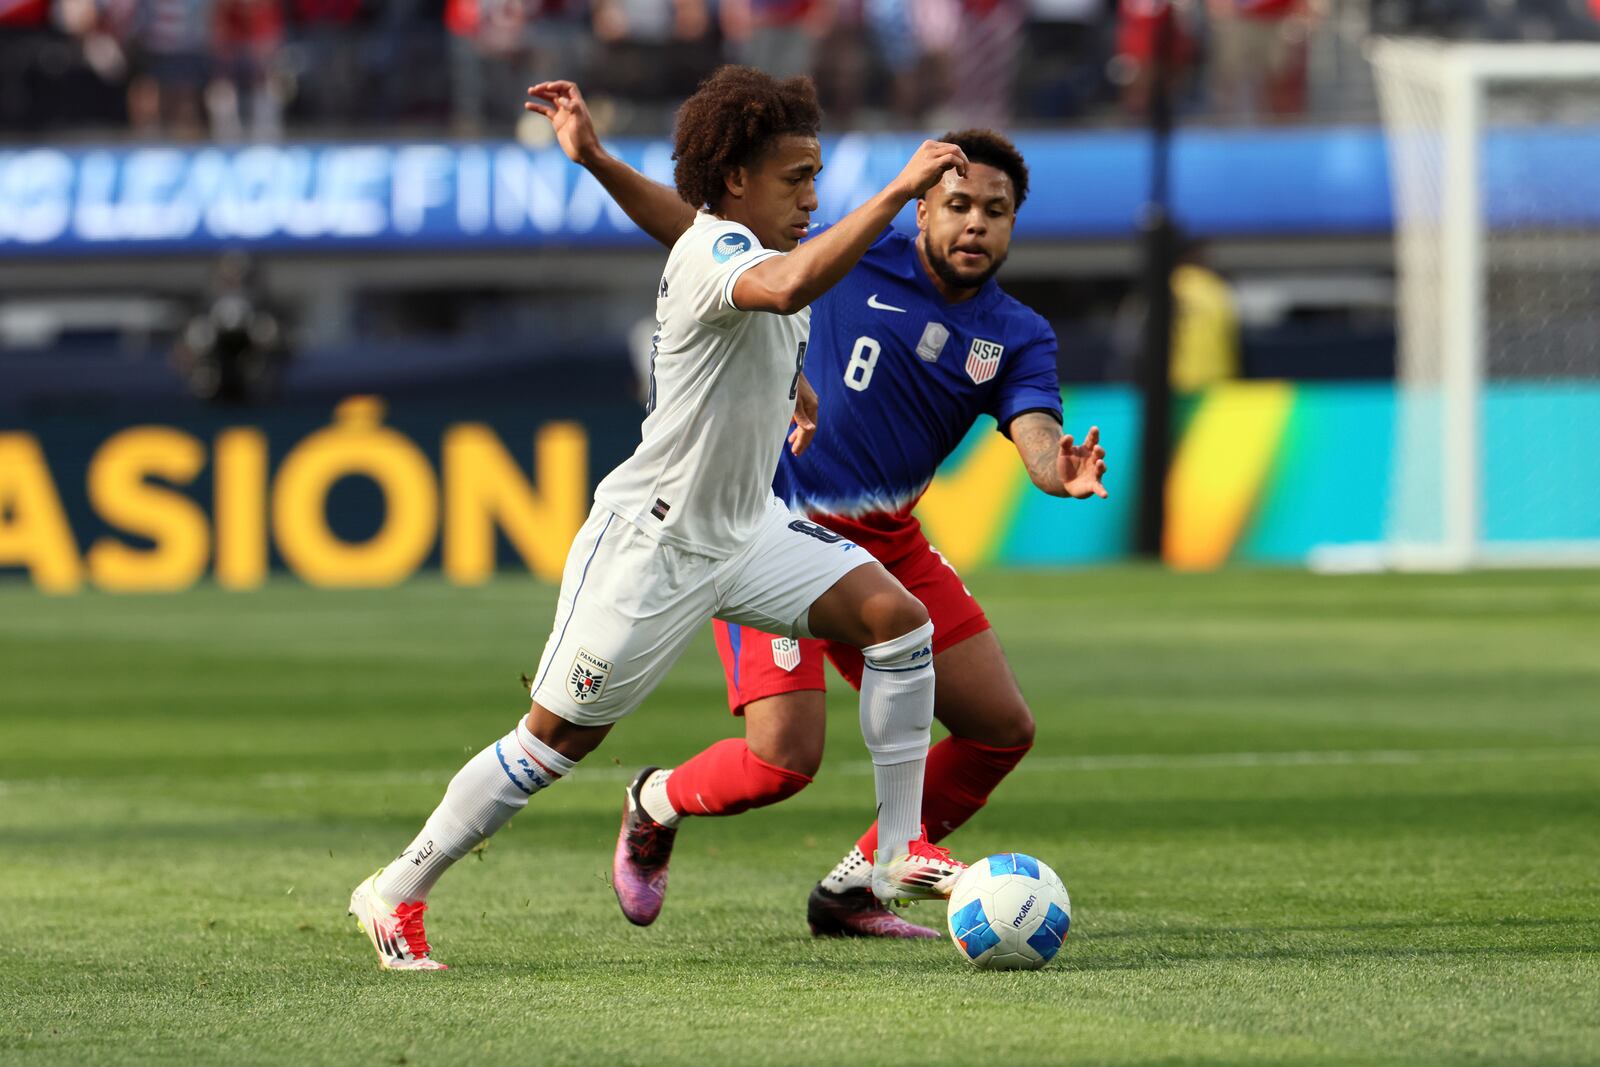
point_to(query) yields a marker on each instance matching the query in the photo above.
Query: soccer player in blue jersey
(905, 353)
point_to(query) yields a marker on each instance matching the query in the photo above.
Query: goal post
(1494, 156)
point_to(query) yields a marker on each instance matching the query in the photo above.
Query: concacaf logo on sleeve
(589, 674)
(729, 245)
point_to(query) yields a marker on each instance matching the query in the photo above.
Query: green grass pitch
(1304, 821)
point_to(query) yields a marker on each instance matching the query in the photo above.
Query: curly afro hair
(992, 149)
(731, 121)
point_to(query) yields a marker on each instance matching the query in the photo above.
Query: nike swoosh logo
(874, 302)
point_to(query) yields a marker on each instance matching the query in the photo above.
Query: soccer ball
(1009, 912)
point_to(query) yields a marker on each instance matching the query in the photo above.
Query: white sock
(852, 872)
(482, 797)
(896, 722)
(653, 799)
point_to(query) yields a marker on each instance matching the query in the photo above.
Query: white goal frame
(1448, 237)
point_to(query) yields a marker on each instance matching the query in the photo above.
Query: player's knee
(781, 773)
(568, 738)
(790, 754)
(1001, 724)
(1014, 727)
(892, 617)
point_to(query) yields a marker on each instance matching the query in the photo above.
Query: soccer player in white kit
(688, 528)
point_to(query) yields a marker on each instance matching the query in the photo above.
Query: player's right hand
(562, 104)
(805, 416)
(927, 166)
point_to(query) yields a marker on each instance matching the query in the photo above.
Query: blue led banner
(429, 197)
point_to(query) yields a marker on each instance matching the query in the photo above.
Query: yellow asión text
(137, 480)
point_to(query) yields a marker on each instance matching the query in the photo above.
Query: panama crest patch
(786, 652)
(983, 359)
(588, 677)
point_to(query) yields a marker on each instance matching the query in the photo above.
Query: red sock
(728, 778)
(961, 774)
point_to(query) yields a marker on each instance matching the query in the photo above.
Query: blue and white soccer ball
(1009, 912)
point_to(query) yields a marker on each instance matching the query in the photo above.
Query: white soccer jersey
(722, 392)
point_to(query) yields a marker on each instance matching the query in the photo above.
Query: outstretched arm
(655, 208)
(785, 284)
(1055, 464)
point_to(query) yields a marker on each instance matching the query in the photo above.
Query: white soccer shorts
(630, 604)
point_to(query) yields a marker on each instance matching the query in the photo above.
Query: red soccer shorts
(760, 665)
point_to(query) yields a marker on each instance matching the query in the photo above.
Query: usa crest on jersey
(588, 677)
(786, 652)
(983, 359)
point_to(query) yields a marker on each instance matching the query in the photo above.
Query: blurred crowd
(249, 69)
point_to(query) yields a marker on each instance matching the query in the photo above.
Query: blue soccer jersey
(908, 373)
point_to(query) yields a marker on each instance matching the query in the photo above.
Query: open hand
(1081, 466)
(562, 104)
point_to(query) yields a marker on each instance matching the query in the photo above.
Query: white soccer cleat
(396, 933)
(924, 872)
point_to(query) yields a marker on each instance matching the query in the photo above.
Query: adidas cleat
(857, 913)
(923, 872)
(396, 933)
(639, 866)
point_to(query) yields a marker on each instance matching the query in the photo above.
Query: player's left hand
(805, 416)
(1081, 466)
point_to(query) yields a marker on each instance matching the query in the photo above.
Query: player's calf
(896, 720)
(492, 787)
(725, 779)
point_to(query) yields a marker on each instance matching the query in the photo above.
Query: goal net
(1495, 164)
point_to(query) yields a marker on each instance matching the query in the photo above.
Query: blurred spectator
(1143, 26)
(777, 36)
(916, 39)
(1257, 61)
(91, 87)
(24, 31)
(650, 55)
(405, 61)
(500, 47)
(984, 64)
(1068, 45)
(324, 62)
(843, 66)
(1205, 346)
(168, 44)
(335, 66)
(244, 97)
(1205, 327)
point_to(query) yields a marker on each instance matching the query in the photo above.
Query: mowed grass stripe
(1304, 821)
(1133, 761)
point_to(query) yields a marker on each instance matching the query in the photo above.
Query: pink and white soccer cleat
(857, 913)
(639, 865)
(924, 872)
(396, 933)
